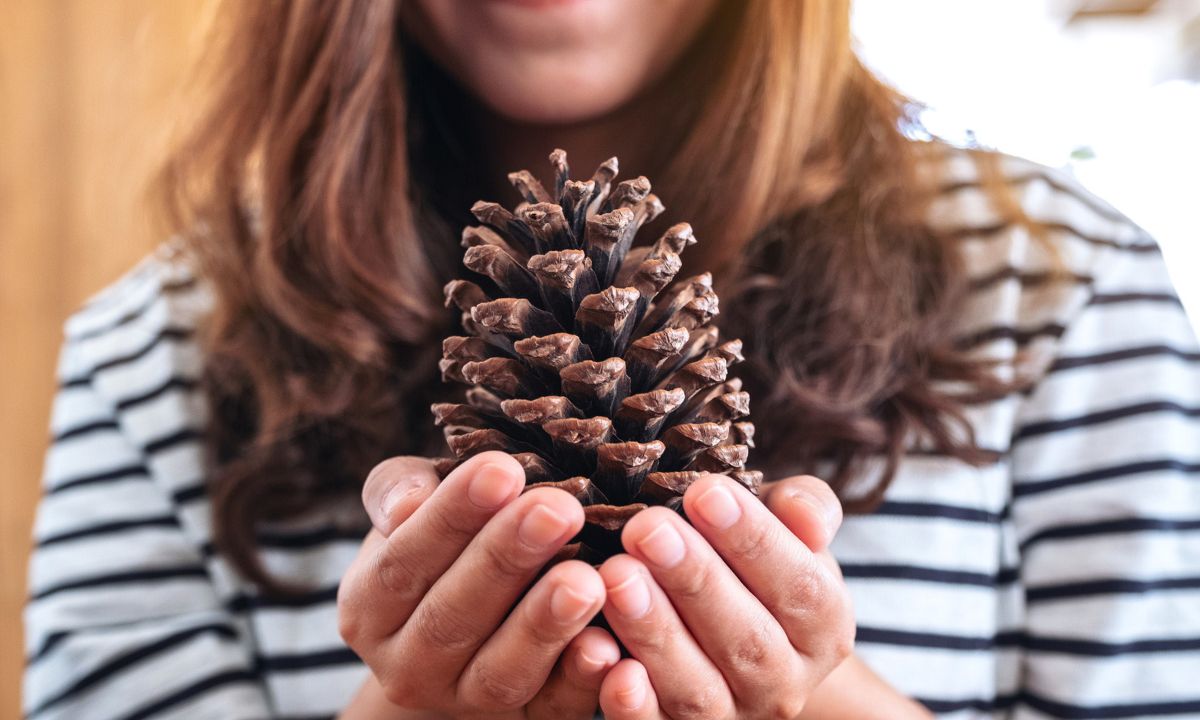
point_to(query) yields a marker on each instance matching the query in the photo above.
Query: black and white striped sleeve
(1106, 505)
(123, 620)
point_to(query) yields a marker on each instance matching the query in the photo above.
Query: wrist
(371, 703)
(853, 692)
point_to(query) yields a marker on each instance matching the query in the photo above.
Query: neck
(516, 145)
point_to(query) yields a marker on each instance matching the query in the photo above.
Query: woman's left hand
(741, 614)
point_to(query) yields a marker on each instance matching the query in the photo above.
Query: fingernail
(490, 487)
(718, 507)
(398, 494)
(631, 597)
(541, 526)
(663, 546)
(589, 665)
(821, 511)
(566, 605)
(633, 696)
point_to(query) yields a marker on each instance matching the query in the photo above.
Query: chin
(574, 99)
(561, 109)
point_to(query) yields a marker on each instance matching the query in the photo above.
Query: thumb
(808, 507)
(395, 488)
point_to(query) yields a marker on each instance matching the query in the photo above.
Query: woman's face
(557, 61)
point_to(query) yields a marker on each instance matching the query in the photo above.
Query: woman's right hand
(428, 603)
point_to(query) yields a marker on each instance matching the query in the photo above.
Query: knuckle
(398, 687)
(830, 597)
(787, 706)
(348, 621)
(506, 563)
(541, 631)
(448, 524)
(752, 651)
(800, 601)
(442, 628)
(708, 702)
(754, 541)
(349, 626)
(842, 645)
(491, 691)
(695, 585)
(807, 589)
(651, 639)
(397, 575)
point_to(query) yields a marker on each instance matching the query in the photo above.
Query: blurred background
(90, 91)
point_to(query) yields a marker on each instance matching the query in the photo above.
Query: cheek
(564, 62)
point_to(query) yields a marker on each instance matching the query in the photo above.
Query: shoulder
(132, 355)
(1023, 205)
(1038, 249)
(161, 301)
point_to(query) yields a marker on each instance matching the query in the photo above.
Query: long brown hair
(325, 186)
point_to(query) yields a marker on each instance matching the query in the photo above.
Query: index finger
(420, 551)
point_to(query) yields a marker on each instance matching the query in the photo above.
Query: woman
(985, 364)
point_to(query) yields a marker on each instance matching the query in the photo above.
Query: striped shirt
(1063, 580)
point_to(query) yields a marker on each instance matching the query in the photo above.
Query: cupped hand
(741, 614)
(438, 601)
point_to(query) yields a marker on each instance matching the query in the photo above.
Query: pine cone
(583, 364)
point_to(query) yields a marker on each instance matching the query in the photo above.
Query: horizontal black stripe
(938, 641)
(1027, 488)
(1058, 709)
(169, 334)
(303, 539)
(1021, 336)
(895, 508)
(1073, 362)
(78, 382)
(997, 229)
(186, 694)
(1092, 648)
(243, 602)
(48, 644)
(85, 429)
(109, 298)
(1024, 641)
(174, 383)
(307, 661)
(986, 705)
(124, 578)
(132, 657)
(1130, 297)
(1108, 527)
(988, 455)
(138, 311)
(1108, 586)
(190, 493)
(1026, 279)
(1005, 576)
(173, 440)
(1110, 712)
(987, 232)
(120, 473)
(1095, 205)
(108, 528)
(310, 538)
(1104, 416)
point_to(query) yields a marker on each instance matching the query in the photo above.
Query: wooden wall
(88, 92)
